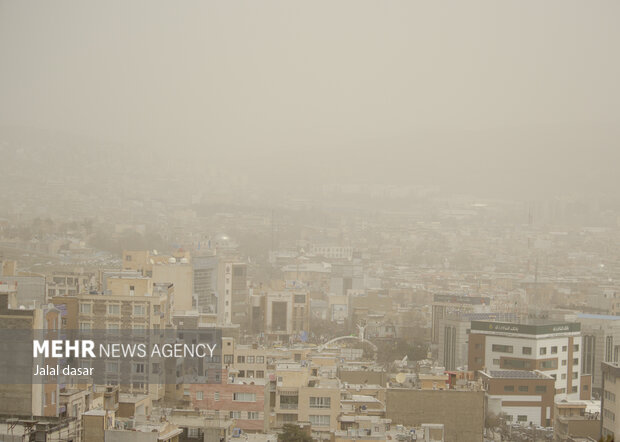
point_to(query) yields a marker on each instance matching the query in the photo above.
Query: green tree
(294, 433)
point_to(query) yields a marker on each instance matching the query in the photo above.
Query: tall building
(130, 303)
(454, 336)
(610, 400)
(233, 294)
(445, 305)
(34, 398)
(601, 343)
(550, 347)
(286, 314)
(205, 283)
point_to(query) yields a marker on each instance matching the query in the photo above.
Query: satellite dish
(401, 377)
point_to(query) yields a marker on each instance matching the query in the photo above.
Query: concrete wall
(461, 412)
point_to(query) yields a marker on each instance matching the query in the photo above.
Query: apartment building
(550, 347)
(69, 283)
(20, 395)
(610, 400)
(301, 397)
(175, 269)
(130, 303)
(243, 399)
(245, 361)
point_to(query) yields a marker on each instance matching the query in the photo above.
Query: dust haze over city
(408, 212)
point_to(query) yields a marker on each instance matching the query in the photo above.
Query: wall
(461, 412)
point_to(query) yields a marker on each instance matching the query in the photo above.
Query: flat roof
(517, 374)
(530, 327)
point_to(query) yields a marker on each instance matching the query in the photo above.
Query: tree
(294, 433)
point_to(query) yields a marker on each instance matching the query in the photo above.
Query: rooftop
(517, 374)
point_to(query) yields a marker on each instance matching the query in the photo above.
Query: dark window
(502, 348)
(509, 388)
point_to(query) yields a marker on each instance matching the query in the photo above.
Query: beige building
(461, 412)
(576, 419)
(175, 269)
(286, 314)
(130, 303)
(301, 397)
(610, 400)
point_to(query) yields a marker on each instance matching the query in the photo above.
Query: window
(128, 258)
(86, 308)
(199, 395)
(564, 348)
(216, 396)
(138, 368)
(249, 359)
(574, 389)
(85, 326)
(509, 388)
(111, 366)
(554, 349)
(241, 373)
(113, 326)
(563, 375)
(527, 350)
(260, 359)
(114, 309)
(320, 402)
(139, 329)
(193, 433)
(523, 388)
(496, 362)
(549, 365)
(501, 348)
(517, 364)
(228, 359)
(575, 348)
(240, 359)
(541, 389)
(563, 362)
(522, 418)
(575, 374)
(138, 310)
(235, 415)
(319, 420)
(543, 350)
(244, 397)
(249, 374)
(253, 415)
(132, 290)
(576, 361)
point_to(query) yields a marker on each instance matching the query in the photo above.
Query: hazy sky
(462, 93)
